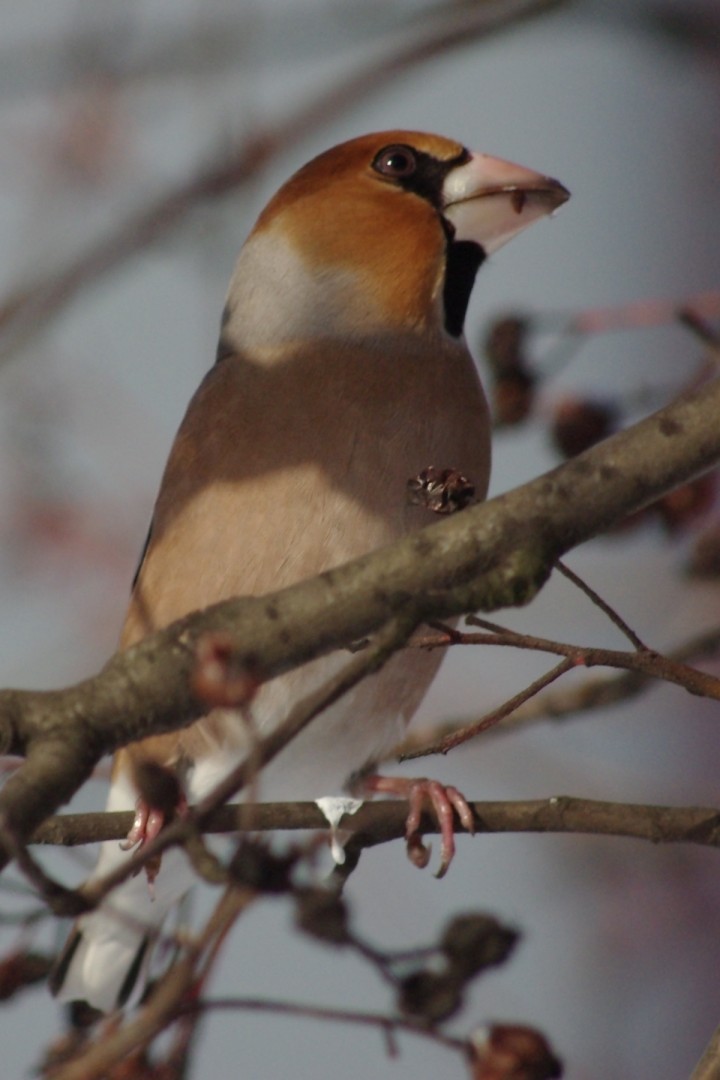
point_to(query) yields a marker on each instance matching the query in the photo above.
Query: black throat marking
(463, 259)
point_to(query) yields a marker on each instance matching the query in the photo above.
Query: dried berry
(684, 505)
(704, 559)
(504, 346)
(513, 397)
(512, 1052)
(255, 867)
(474, 942)
(323, 914)
(578, 425)
(430, 996)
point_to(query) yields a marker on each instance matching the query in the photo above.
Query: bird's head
(386, 231)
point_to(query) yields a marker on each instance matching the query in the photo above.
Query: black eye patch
(416, 171)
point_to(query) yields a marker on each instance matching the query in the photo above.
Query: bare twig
(565, 704)
(640, 313)
(342, 1016)
(382, 821)
(462, 735)
(598, 601)
(643, 660)
(701, 329)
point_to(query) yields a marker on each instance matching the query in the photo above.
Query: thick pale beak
(489, 200)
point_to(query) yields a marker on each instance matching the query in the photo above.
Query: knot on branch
(513, 581)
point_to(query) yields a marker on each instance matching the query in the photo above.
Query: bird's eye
(395, 161)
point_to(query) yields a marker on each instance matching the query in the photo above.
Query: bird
(342, 375)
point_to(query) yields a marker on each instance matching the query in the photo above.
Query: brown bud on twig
(513, 397)
(512, 381)
(512, 1052)
(430, 996)
(704, 559)
(504, 345)
(218, 679)
(255, 867)
(578, 425)
(474, 942)
(322, 914)
(684, 505)
(441, 490)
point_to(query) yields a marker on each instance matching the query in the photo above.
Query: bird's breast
(284, 470)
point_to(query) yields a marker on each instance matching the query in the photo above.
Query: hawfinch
(342, 373)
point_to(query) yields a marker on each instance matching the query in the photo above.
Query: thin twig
(598, 601)
(561, 704)
(643, 660)
(642, 313)
(648, 662)
(702, 330)
(462, 735)
(342, 1016)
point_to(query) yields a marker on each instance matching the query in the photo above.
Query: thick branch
(486, 557)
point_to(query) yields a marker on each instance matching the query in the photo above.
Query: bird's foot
(147, 824)
(161, 799)
(442, 800)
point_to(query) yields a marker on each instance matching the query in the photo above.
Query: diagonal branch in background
(562, 705)
(570, 703)
(651, 664)
(496, 554)
(594, 597)
(30, 307)
(598, 693)
(642, 661)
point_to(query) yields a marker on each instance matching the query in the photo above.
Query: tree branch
(566, 703)
(379, 822)
(496, 554)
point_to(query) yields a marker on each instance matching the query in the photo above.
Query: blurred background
(138, 141)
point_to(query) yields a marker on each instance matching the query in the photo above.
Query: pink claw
(443, 801)
(137, 834)
(147, 824)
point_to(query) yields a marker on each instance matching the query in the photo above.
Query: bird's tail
(106, 957)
